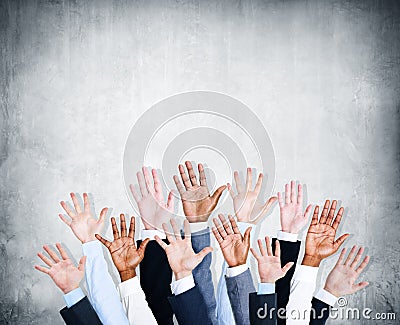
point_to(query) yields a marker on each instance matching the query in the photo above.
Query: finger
(115, 229)
(134, 193)
(168, 233)
(268, 246)
(277, 249)
(314, 220)
(184, 177)
(75, 201)
(142, 247)
(230, 189)
(132, 226)
(157, 184)
(62, 251)
(67, 209)
(287, 193)
(205, 251)
(51, 253)
(350, 256)
(142, 184)
(261, 247)
(255, 254)
(186, 228)
(82, 262)
(340, 241)
(217, 194)
(147, 180)
(300, 194)
(122, 224)
(287, 267)
(225, 223)
(217, 235)
(293, 192)
(246, 237)
(45, 259)
(264, 210)
(176, 230)
(102, 240)
(338, 218)
(257, 188)
(363, 265)
(103, 214)
(192, 175)
(178, 184)
(249, 179)
(359, 286)
(341, 256)
(221, 228)
(160, 242)
(324, 213)
(202, 175)
(171, 201)
(358, 258)
(331, 214)
(86, 202)
(239, 185)
(234, 225)
(42, 269)
(280, 200)
(65, 220)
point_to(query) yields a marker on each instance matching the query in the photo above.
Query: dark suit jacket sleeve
(289, 253)
(319, 312)
(262, 309)
(155, 280)
(82, 313)
(202, 274)
(190, 308)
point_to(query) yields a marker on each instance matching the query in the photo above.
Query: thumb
(217, 194)
(265, 209)
(340, 241)
(359, 286)
(203, 253)
(82, 262)
(287, 267)
(246, 237)
(143, 246)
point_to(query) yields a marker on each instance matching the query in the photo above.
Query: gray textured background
(75, 75)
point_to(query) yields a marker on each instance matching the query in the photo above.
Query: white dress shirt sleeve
(236, 270)
(302, 288)
(265, 288)
(182, 285)
(134, 302)
(326, 297)
(150, 233)
(73, 297)
(197, 226)
(287, 236)
(101, 288)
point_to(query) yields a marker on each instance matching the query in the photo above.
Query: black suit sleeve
(262, 309)
(319, 312)
(82, 313)
(155, 280)
(190, 308)
(289, 253)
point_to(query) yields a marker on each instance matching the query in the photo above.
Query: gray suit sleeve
(239, 288)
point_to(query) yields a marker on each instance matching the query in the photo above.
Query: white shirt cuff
(287, 236)
(74, 296)
(92, 248)
(198, 226)
(305, 273)
(244, 225)
(326, 297)
(129, 287)
(236, 270)
(182, 285)
(150, 233)
(266, 288)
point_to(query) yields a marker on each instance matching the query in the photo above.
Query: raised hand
(248, 203)
(320, 240)
(196, 199)
(234, 246)
(123, 249)
(180, 254)
(341, 280)
(82, 223)
(291, 211)
(152, 207)
(269, 265)
(63, 272)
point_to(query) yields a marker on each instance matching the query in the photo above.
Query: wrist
(69, 289)
(235, 263)
(181, 275)
(310, 260)
(332, 291)
(88, 238)
(290, 230)
(267, 280)
(127, 274)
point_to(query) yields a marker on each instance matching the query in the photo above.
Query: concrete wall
(323, 76)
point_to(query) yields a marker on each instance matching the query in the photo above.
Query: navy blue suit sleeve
(82, 313)
(319, 312)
